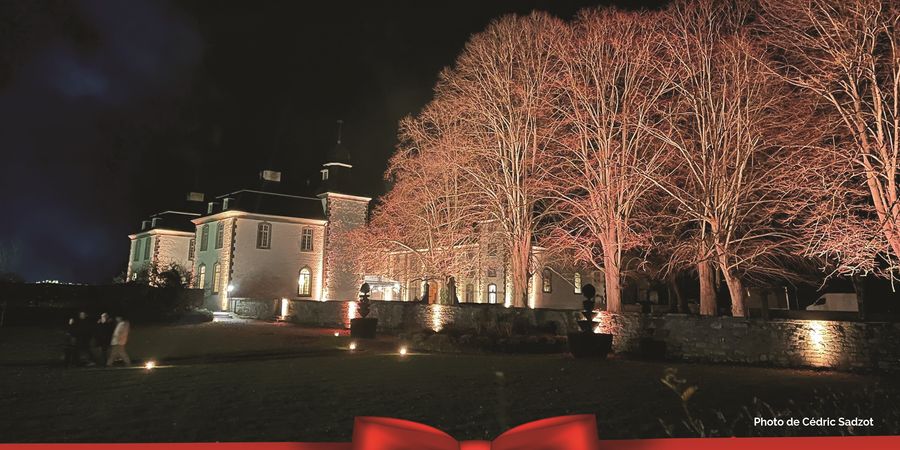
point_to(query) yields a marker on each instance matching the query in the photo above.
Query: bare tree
(848, 54)
(733, 175)
(499, 90)
(608, 91)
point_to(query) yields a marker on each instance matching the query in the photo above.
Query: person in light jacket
(118, 341)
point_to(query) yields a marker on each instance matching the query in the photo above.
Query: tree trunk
(680, 300)
(612, 277)
(521, 252)
(736, 290)
(859, 285)
(707, 289)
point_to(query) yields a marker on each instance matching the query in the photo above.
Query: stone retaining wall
(783, 343)
(841, 345)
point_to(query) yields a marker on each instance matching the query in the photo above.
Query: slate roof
(174, 220)
(276, 204)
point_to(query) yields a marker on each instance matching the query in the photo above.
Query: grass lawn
(255, 381)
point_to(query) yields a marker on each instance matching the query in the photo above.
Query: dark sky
(113, 110)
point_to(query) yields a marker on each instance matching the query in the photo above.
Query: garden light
(150, 365)
(353, 346)
(402, 351)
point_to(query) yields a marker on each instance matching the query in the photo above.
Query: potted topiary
(586, 343)
(363, 326)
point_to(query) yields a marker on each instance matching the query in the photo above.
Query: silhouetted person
(118, 341)
(70, 356)
(84, 331)
(103, 333)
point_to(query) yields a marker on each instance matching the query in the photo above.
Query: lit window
(492, 272)
(577, 283)
(204, 237)
(547, 279)
(217, 274)
(470, 293)
(492, 293)
(201, 276)
(135, 250)
(147, 248)
(304, 283)
(306, 240)
(220, 234)
(264, 235)
(191, 248)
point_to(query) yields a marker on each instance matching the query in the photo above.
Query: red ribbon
(557, 433)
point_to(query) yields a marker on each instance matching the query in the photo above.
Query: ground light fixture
(353, 346)
(149, 365)
(336, 334)
(403, 351)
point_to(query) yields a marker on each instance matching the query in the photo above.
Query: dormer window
(324, 174)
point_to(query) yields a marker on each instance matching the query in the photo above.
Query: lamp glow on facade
(230, 288)
(285, 307)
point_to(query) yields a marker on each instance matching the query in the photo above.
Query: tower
(344, 212)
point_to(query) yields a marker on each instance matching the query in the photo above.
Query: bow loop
(556, 433)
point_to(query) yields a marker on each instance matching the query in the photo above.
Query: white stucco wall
(172, 248)
(273, 272)
(209, 257)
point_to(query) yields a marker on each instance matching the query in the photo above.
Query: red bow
(556, 433)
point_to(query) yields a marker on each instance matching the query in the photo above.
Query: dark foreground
(261, 382)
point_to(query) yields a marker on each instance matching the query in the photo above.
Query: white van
(835, 302)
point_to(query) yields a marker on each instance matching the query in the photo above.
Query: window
(492, 293)
(577, 283)
(192, 246)
(547, 279)
(264, 235)
(220, 234)
(217, 276)
(201, 276)
(492, 272)
(470, 293)
(492, 249)
(135, 250)
(147, 248)
(304, 283)
(306, 240)
(204, 237)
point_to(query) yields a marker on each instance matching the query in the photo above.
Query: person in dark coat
(84, 331)
(70, 356)
(103, 335)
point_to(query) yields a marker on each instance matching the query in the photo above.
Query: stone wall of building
(783, 343)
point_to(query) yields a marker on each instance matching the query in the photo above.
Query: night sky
(114, 110)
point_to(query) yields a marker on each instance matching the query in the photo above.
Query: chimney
(271, 175)
(154, 222)
(145, 224)
(195, 196)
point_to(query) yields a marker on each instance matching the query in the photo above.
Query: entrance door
(432, 292)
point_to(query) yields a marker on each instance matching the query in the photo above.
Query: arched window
(306, 240)
(470, 293)
(577, 283)
(264, 235)
(204, 237)
(220, 234)
(201, 276)
(217, 276)
(547, 281)
(304, 282)
(492, 293)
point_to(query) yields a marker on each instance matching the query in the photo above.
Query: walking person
(70, 356)
(103, 333)
(118, 341)
(84, 330)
